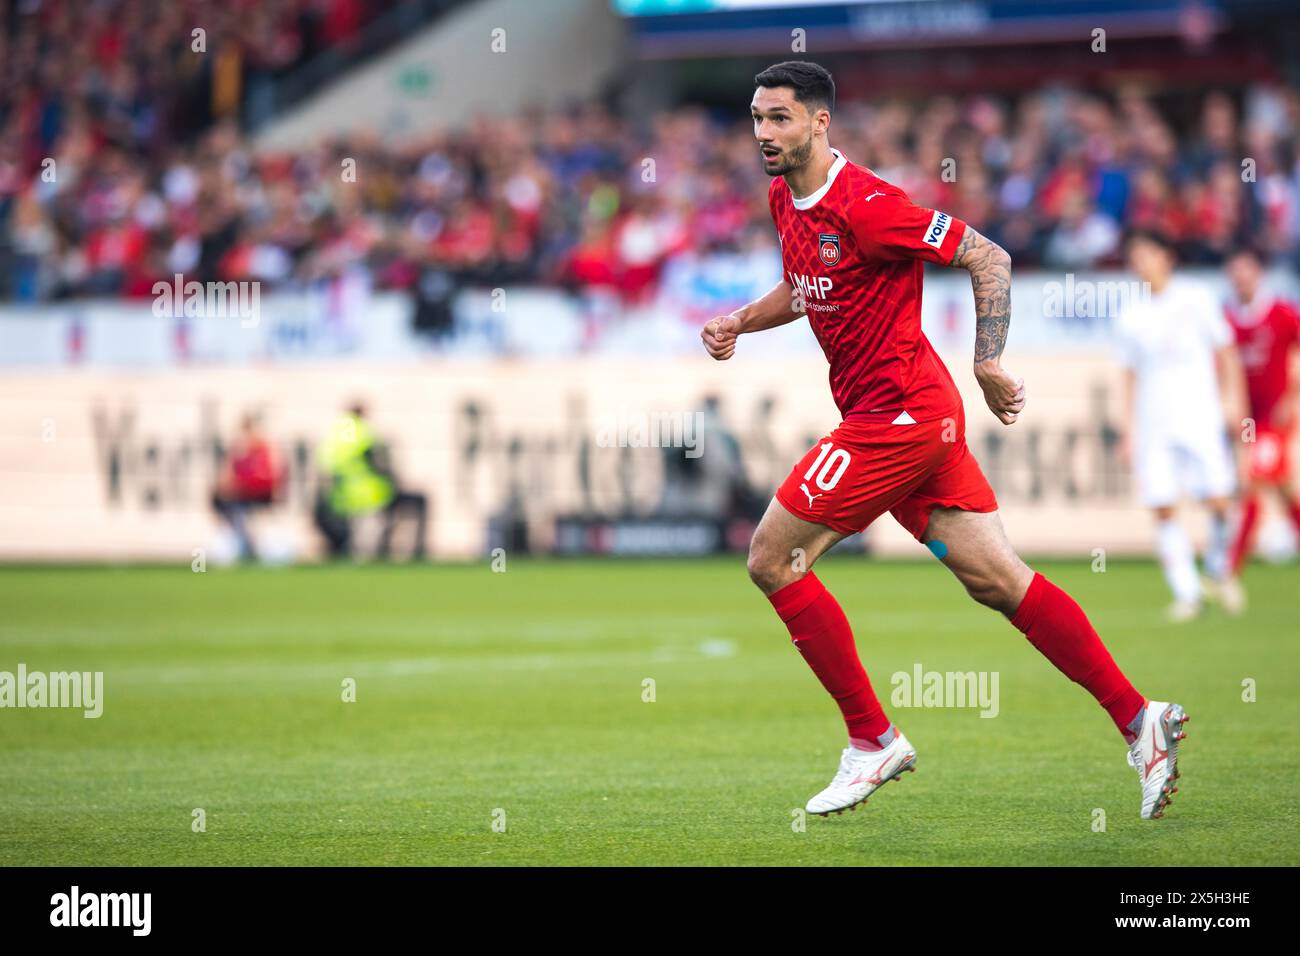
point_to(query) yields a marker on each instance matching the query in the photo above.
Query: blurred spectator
(708, 478)
(249, 479)
(154, 176)
(1083, 237)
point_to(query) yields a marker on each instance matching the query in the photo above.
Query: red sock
(1057, 626)
(821, 633)
(1249, 515)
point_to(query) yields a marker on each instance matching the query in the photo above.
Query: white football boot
(1180, 612)
(1226, 592)
(1232, 596)
(1155, 755)
(860, 773)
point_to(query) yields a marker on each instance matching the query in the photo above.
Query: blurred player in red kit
(852, 248)
(249, 479)
(1268, 340)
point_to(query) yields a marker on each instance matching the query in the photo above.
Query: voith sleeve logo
(937, 229)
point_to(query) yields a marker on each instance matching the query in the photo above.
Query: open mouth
(770, 153)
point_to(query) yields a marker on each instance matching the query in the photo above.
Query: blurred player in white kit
(1182, 380)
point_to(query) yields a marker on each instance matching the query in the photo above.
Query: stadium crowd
(146, 184)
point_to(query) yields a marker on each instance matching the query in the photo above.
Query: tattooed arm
(990, 277)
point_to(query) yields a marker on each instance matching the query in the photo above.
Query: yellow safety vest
(357, 488)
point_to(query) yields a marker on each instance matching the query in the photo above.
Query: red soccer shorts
(863, 469)
(1267, 456)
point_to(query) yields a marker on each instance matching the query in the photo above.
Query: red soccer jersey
(853, 250)
(254, 470)
(1265, 336)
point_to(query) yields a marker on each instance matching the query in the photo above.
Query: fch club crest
(828, 247)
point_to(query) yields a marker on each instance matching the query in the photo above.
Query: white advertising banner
(109, 464)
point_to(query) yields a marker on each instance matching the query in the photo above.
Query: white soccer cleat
(1229, 593)
(861, 773)
(1180, 612)
(1155, 755)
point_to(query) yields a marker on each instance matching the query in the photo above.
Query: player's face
(784, 129)
(1149, 260)
(1243, 273)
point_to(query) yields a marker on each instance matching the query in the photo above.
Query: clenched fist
(1004, 395)
(719, 336)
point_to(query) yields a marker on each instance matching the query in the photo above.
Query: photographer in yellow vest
(357, 480)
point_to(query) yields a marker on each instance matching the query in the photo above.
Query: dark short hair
(1252, 249)
(1153, 235)
(811, 82)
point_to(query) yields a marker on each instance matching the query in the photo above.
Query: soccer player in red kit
(852, 248)
(1268, 337)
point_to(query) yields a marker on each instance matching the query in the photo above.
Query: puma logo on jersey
(811, 497)
(811, 287)
(874, 195)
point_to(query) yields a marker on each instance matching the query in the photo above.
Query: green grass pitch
(500, 719)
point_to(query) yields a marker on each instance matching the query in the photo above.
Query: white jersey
(1169, 340)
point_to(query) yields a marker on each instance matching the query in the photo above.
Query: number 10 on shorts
(838, 459)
